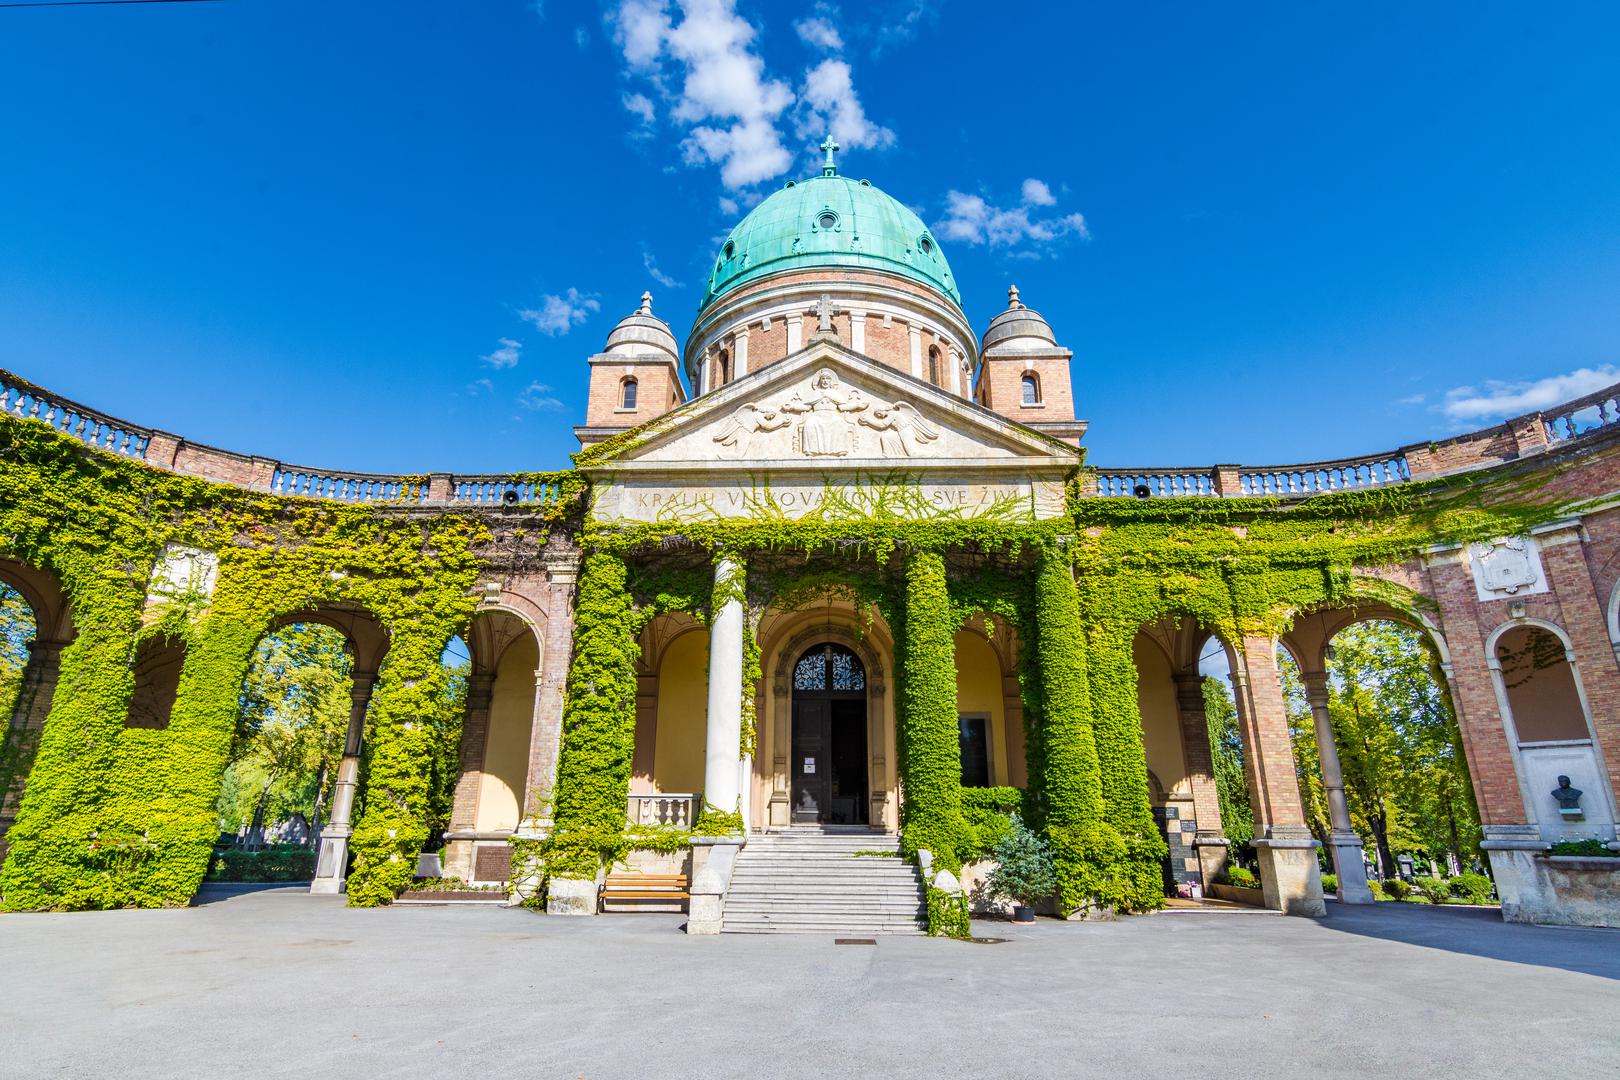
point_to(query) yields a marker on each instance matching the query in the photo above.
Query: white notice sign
(809, 765)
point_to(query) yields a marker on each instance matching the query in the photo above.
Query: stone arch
(52, 616)
(1549, 728)
(783, 637)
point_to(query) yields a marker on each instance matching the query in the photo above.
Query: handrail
(21, 398)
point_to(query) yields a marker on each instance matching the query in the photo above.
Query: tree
(16, 636)
(1404, 772)
(294, 716)
(1226, 755)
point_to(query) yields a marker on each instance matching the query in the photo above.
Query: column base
(1350, 867)
(1214, 857)
(1289, 879)
(713, 860)
(571, 896)
(332, 862)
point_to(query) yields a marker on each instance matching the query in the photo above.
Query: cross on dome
(830, 147)
(1012, 298)
(646, 304)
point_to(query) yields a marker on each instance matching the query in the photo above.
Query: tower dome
(830, 221)
(1017, 328)
(641, 331)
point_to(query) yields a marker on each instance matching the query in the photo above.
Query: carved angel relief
(827, 418)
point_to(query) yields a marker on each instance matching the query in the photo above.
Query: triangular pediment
(827, 408)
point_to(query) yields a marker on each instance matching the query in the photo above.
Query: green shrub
(1243, 879)
(1396, 889)
(990, 812)
(1433, 889)
(1472, 888)
(1330, 883)
(280, 862)
(1587, 849)
(1376, 887)
(1023, 872)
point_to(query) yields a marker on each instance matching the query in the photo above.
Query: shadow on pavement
(220, 891)
(1481, 932)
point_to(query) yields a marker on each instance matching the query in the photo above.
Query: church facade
(833, 565)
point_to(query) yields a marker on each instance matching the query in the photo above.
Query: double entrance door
(829, 765)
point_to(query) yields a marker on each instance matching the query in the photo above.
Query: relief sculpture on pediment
(827, 420)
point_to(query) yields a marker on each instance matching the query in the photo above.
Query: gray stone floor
(278, 983)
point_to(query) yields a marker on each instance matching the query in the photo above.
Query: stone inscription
(1012, 499)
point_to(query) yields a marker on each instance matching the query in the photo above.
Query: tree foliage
(16, 634)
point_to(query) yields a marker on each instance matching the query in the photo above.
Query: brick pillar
(545, 736)
(1289, 877)
(458, 848)
(34, 696)
(1209, 839)
(332, 864)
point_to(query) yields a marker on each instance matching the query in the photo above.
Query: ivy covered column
(332, 863)
(930, 743)
(1063, 765)
(598, 738)
(1289, 878)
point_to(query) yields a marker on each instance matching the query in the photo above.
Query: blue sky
(384, 236)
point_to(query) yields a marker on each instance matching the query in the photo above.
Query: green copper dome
(830, 220)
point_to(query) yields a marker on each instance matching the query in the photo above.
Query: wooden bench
(669, 888)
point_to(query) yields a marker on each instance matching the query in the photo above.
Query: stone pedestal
(332, 862)
(1214, 855)
(1557, 891)
(713, 860)
(572, 896)
(1350, 867)
(1289, 880)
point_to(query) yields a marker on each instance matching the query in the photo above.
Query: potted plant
(1023, 872)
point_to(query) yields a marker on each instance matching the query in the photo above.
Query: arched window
(1540, 686)
(933, 364)
(722, 368)
(627, 394)
(1031, 388)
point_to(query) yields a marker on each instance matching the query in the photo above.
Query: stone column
(459, 847)
(1348, 863)
(739, 359)
(332, 865)
(955, 362)
(1289, 878)
(781, 808)
(722, 780)
(33, 704)
(914, 335)
(1209, 839)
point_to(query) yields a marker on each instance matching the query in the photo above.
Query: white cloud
(820, 33)
(728, 206)
(699, 59)
(974, 220)
(582, 38)
(557, 315)
(640, 106)
(507, 353)
(536, 397)
(1411, 400)
(1501, 400)
(1036, 193)
(829, 92)
(480, 386)
(656, 274)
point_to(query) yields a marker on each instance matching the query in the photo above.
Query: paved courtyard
(278, 983)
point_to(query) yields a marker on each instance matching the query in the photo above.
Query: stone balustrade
(1586, 414)
(678, 810)
(19, 397)
(1318, 478)
(1513, 439)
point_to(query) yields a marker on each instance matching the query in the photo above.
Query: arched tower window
(722, 368)
(1031, 388)
(933, 364)
(627, 393)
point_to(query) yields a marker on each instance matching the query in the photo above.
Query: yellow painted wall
(978, 690)
(1161, 727)
(683, 705)
(506, 751)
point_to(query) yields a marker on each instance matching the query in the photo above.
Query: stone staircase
(808, 880)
